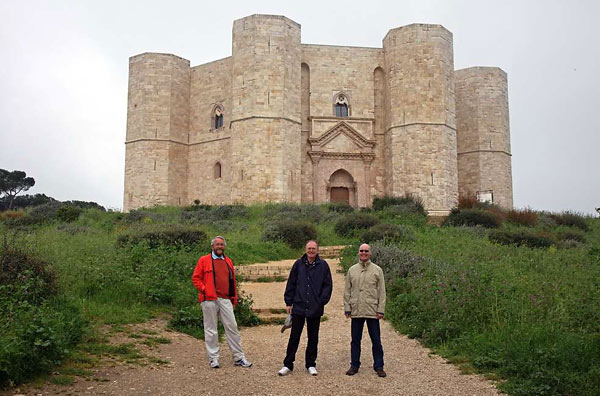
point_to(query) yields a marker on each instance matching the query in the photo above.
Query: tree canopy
(12, 183)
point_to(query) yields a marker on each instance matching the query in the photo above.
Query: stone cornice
(485, 151)
(156, 140)
(265, 118)
(421, 123)
(333, 118)
(331, 155)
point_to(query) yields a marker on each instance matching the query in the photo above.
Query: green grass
(525, 316)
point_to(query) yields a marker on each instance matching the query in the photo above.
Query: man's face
(311, 250)
(364, 252)
(219, 246)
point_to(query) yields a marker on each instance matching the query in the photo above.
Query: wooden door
(340, 194)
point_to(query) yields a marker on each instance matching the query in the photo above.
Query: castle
(282, 121)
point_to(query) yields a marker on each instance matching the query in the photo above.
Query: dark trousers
(312, 328)
(375, 334)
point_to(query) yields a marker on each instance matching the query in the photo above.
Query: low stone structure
(282, 121)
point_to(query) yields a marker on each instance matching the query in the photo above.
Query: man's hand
(288, 309)
(379, 316)
(347, 315)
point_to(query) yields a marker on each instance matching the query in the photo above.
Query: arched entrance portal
(342, 187)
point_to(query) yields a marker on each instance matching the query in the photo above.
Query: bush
(467, 202)
(394, 261)
(347, 225)
(44, 213)
(388, 232)
(571, 235)
(37, 338)
(293, 232)
(410, 203)
(85, 205)
(571, 219)
(68, 213)
(473, 217)
(11, 215)
(165, 235)
(24, 279)
(526, 217)
(303, 212)
(522, 238)
(339, 207)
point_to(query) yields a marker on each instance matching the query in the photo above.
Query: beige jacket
(364, 294)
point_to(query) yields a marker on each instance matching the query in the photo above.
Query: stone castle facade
(282, 121)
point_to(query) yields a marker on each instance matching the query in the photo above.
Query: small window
(217, 117)
(217, 170)
(341, 106)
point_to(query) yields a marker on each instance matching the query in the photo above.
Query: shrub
(571, 235)
(412, 203)
(303, 212)
(394, 261)
(388, 232)
(348, 224)
(10, 215)
(85, 205)
(526, 217)
(37, 338)
(165, 235)
(339, 207)
(24, 279)
(571, 219)
(44, 213)
(473, 217)
(68, 213)
(521, 238)
(293, 232)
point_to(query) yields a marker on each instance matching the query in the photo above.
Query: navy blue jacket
(308, 287)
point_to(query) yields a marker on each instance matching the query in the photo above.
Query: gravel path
(411, 369)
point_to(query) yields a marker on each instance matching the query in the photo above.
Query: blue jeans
(375, 334)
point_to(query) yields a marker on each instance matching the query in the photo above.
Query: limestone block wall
(420, 112)
(157, 130)
(210, 84)
(347, 69)
(483, 133)
(266, 110)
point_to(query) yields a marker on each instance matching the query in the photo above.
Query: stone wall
(266, 110)
(421, 139)
(157, 131)
(483, 133)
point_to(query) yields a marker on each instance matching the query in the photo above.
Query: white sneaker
(214, 363)
(284, 371)
(312, 371)
(242, 363)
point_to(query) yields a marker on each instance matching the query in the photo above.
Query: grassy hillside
(511, 294)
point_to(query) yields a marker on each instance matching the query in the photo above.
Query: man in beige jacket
(364, 301)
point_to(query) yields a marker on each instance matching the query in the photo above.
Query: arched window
(217, 170)
(341, 105)
(217, 117)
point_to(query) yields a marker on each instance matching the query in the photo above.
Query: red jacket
(203, 279)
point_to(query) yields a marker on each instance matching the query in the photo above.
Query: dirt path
(410, 367)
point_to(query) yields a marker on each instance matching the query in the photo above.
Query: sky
(64, 74)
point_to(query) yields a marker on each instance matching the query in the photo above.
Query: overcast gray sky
(64, 66)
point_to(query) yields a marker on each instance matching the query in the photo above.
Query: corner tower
(484, 157)
(156, 151)
(421, 130)
(266, 121)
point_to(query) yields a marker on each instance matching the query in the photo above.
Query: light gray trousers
(222, 308)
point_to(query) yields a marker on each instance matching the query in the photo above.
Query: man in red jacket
(214, 277)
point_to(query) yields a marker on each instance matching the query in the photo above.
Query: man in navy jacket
(308, 290)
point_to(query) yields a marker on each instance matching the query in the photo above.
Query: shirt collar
(214, 256)
(365, 264)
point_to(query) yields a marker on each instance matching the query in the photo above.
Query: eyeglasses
(364, 251)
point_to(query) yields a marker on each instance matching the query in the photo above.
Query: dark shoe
(380, 373)
(352, 371)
